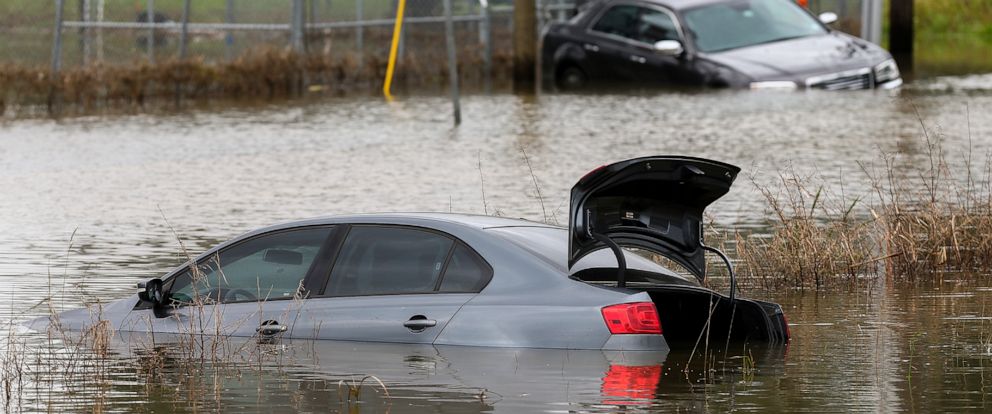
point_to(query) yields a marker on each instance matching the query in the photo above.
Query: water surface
(91, 205)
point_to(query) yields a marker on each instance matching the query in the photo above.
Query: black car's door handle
(419, 324)
(591, 47)
(638, 59)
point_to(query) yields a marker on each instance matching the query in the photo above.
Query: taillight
(632, 318)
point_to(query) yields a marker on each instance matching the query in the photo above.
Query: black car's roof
(672, 4)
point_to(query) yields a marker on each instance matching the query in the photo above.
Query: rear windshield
(551, 245)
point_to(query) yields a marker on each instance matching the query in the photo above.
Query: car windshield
(739, 23)
(551, 245)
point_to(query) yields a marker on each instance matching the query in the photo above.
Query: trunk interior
(684, 310)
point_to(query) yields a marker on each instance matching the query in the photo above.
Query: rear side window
(390, 260)
(466, 272)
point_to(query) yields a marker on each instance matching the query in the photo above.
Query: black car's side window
(384, 260)
(618, 20)
(266, 267)
(637, 23)
(466, 272)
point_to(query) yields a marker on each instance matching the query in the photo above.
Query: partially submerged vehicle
(756, 44)
(451, 279)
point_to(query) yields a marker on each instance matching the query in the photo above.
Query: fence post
(57, 38)
(901, 32)
(449, 34)
(296, 26)
(359, 30)
(487, 46)
(524, 45)
(229, 36)
(99, 32)
(150, 19)
(184, 34)
(84, 32)
(871, 21)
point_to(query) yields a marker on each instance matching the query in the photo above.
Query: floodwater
(89, 206)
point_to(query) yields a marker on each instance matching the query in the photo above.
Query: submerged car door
(393, 284)
(653, 25)
(653, 203)
(253, 282)
(608, 44)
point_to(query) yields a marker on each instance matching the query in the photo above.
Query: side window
(383, 260)
(637, 23)
(654, 26)
(618, 20)
(466, 272)
(266, 267)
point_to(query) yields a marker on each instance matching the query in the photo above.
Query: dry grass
(814, 240)
(922, 224)
(271, 73)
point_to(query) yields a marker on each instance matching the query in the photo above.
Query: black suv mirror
(151, 292)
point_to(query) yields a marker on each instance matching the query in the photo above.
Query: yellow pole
(397, 29)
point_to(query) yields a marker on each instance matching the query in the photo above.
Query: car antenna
(617, 251)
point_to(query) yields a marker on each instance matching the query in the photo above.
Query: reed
(925, 223)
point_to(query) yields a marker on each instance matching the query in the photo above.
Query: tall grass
(263, 73)
(924, 223)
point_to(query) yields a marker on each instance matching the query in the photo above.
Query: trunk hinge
(730, 268)
(617, 251)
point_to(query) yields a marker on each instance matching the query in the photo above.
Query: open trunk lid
(654, 203)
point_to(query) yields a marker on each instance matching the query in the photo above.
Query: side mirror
(668, 47)
(828, 17)
(151, 292)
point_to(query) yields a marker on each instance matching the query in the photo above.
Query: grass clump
(921, 224)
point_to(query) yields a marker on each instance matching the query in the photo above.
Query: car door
(655, 24)
(628, 33)
(608, 44)
(393, 284)
(253, 282)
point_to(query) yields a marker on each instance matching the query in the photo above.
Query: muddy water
(89, 206)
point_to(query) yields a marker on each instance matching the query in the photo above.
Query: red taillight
(632, 318)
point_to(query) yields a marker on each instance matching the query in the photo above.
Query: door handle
(419, 324)
(638, 59)
(591, 47)
(271, 328)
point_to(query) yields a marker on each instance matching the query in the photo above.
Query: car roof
(672, 4)
(476, 221)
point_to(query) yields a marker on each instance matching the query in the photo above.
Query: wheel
(570, 77)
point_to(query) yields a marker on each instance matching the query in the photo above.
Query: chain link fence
(117, 31)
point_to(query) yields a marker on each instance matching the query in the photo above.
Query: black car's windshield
(738, 23)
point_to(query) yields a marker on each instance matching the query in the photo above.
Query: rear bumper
(636, 343)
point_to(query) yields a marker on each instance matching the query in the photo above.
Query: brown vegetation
(261, 74)
(923, 223)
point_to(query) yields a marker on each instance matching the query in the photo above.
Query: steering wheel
(232, 295)
(224, 295)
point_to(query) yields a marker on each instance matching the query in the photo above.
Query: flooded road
(89, 206)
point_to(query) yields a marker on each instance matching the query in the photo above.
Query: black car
(753, 44)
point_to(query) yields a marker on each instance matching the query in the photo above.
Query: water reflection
(85, 201)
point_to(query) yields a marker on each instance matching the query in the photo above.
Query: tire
(570, 77)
